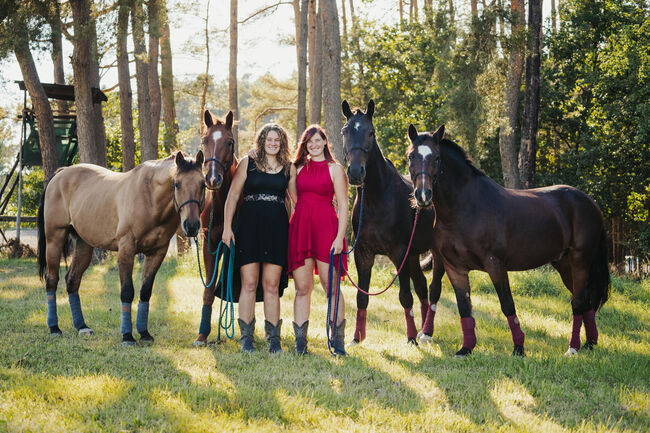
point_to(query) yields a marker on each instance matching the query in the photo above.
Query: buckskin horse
(387, 225)
(133, 212)
(483, 226)
(218, 145)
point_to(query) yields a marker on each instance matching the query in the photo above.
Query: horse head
(189, 191)
(424, 163)
(218, 145)
(358, 138)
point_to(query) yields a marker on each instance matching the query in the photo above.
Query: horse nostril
(362, 172)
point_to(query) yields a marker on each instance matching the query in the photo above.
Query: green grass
(95, 385)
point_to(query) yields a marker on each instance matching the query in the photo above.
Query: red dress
(314, 224)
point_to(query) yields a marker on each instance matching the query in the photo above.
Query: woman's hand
(337, 245)
(227, 236)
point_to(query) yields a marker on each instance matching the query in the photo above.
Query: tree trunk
(154, 80)
(428, 10)
(332, 77)
(530, 121)
(124, 79)
(451, 11)
(57, 54)
(507, 145)
(553, 18)
(42, 109)
(167, 83)
(315, 50)
(474, 8)
(232, 74)
(401, 11)
(300, 8)
(148, 147)
(206, 80)
(92, 147)
(358, 52)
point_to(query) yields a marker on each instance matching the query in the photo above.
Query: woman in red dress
(314, 229)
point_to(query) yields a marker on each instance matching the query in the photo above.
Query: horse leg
(499, 277)
(460, 283)
(125, 256)
(151, 265)
(205, 327)
(406, 298)
(579, 302)
(363, 261)
(83, 254)
(435, 289)
(419, 285)
(53, 250)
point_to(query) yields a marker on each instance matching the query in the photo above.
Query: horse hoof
(571, 352)
(463, 352)
(86, 332)
(352, 343)
(145, 337)
(200, 343)
(412, 341)
(589, 345)
(518, 351)
(425, 339)
(55, 332)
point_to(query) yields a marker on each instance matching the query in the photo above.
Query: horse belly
(536, 249)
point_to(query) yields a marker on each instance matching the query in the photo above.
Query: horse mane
(448, 144)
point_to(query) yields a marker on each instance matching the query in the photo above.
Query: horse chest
(155, 238)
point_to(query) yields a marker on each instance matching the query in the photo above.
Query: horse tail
(599, 283)
(427, 263)
(40, 221)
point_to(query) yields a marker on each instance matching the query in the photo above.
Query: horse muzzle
(423, 197)
(356, 174)
(191, 227)
(213, 181)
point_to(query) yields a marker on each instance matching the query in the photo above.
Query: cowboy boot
(301, 337)
(273, 336)
(339, 340)
(247, 330)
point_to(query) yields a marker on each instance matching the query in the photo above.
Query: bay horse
(483, 226)
(133, 212)
(387, 225)
(218, 145)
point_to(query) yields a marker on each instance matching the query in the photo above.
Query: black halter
(178, 208)
(434, 179)
(223, 166)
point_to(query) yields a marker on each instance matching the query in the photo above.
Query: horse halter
(192, 200)
(223, 166)
(434, 179)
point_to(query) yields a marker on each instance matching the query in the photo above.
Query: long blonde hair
(259, 154)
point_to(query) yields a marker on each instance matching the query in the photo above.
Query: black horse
(481, 225)
(387, 225)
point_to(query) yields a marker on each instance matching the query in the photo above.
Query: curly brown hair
(259, 154)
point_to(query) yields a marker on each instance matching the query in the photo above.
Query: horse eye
(231, 142)
(177, 185)
(203, 185)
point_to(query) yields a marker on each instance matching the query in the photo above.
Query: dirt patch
(16, 250)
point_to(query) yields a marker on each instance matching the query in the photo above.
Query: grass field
(94, 385)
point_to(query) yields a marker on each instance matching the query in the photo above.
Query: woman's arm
(341, 194)
(233, 198)
(293, 190)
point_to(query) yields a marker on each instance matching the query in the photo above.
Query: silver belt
(264, 197)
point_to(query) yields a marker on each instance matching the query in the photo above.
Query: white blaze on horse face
(216, 135)
(424, 151)
(356, 126)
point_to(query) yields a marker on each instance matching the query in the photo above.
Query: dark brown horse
(220, 161)
(481, 225)
(133, 212)
(387, 224)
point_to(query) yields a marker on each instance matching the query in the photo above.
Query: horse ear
(345, 107)
(207, 118)
(180, 158)
(199, 157)
(371, 108)
(413, 133)
(440, 133)
(229, 118)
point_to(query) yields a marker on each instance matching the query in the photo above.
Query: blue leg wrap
(142, 318)
(75, 308)
(206, 318)
(127, 326)
(52, 319)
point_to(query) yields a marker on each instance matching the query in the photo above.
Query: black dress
(262, 225)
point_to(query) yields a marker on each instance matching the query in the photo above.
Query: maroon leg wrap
(591, 330)
(411, 330)
(575, 333)
(424, 308)
(360, 329)
(469, 336)
(518, 336)
(427, 327)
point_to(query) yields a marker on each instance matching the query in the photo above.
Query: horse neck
(162, 188)
(455, 174)
(219, 196)
(378, 173)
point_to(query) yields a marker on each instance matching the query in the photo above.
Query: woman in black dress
(260, 231)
